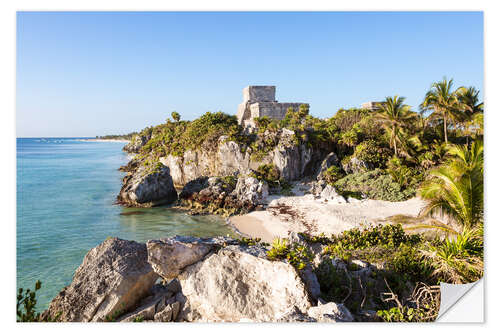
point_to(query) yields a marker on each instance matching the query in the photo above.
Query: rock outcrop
(146, 188)
(136, 143)
(210, 280)
(169, 256)
(224, 196)
(330, 194)
(355, 165)
(229, 158)
(113, 277)
(330, 160)
(233, 285)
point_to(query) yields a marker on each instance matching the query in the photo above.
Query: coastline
(305, 213)
(106, 140)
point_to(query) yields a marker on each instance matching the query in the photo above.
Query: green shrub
(390, 236)
(297, 255)
(332, 174)
(26, 304)
(178, 136)
(268, 173)
(375, 184)
(404, 175)
(370, 152)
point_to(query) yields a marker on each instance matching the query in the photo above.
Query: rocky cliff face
(145, 188)
(113, 277)
(210, 280)
(292, 160)
(136, 143)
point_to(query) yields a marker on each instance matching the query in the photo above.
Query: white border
(7, 63)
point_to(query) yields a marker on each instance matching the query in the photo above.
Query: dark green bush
(371, 152)
(268, 173)
(332, 174)
(375, 184)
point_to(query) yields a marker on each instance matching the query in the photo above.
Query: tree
(456, 188)
(176, 116)
(469, 104)
(443, 102)
(394, 117)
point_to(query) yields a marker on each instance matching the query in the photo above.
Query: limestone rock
(113, 277)
(170, 255)
(250, 190)
(330, 313)
(329, 193)
(146, 188)
(136, 143)
(355, 165)
(330, 160)
(292, 160)
(234, 286)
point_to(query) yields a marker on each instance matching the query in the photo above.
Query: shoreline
(106, 140)
(305, 213)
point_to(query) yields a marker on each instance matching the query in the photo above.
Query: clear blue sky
(87, 74)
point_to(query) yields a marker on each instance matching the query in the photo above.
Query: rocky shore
(191, 279)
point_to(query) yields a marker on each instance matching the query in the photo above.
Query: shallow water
(66, 190)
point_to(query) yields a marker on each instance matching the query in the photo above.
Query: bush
(375, 184)
(332, 174)
(268, 173)
(404, 175)
(370, 152)
(177, 137)
(297, 255)
(26, 304)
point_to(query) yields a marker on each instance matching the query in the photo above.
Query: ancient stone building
(259, 101)
(372, 106)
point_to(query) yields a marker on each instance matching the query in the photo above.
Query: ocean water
(66, 189)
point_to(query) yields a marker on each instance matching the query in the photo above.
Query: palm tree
(456, 188)
(394, 117)
(443, 102)
(471, 106)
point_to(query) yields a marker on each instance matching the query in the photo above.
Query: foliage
(391, 236)
(295, 120)
(268, 173)
(371, 152)
(404, 175)
(457, 260)
(395, 118)
(421, 306)
(296, 254)
(444, 104)
(26, 304)
(138, 319)
(249, 241)
(332, 174)
(375, 184)
(176, 116)
(456, 188)
(177, 137)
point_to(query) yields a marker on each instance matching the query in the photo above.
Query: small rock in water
(132, 213)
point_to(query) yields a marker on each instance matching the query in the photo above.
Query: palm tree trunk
(445, 130)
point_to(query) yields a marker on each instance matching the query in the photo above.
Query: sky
(84, 74)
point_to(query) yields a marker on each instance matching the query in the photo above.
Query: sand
(304, 213)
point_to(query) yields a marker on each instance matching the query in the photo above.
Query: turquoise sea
(66, 189)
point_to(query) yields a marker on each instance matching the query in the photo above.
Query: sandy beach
(305, 213)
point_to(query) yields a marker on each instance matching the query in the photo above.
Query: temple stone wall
(259, 101)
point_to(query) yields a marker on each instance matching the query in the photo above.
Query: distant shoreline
(105, 140)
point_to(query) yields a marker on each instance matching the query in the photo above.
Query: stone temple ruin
(259, 101)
